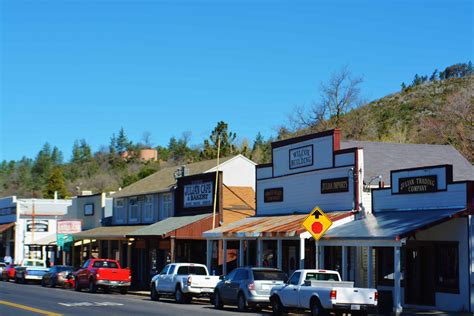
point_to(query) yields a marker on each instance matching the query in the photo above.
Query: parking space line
(31, 309)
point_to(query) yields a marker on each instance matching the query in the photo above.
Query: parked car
(56, 276)
(183, 281)
(8, 273)
(102, 273)
(247, 287)
(70, 283)
(30, 270)
(321, 292)
(2, 266)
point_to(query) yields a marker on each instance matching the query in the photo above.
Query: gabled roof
(163, 180)
(380, 158)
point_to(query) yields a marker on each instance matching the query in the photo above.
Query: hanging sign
(317, 223)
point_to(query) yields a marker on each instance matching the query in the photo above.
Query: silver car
(247, 287)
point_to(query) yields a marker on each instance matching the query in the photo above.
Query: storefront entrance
(420, 273)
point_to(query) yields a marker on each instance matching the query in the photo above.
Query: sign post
(317, 223)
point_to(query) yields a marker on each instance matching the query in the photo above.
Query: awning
(391, 225)
(45, 241)
(268, 226)
(4, 227)
(106, 232)
(171, 224)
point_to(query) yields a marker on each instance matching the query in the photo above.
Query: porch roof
(4, 227)
(106, 232)
(392, 225)
(268, 226)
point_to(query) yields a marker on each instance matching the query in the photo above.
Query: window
(191, 270)
(167, 205)
(86, 264)
(269, 275)
(133, 210)
(447, 267)
(385, 265)
(172, 268)
(88, 209)
(119, 211)
(105, 264)
(165, 270)
(241, 275)
(295, 278)
(148, 216)
(231, 275)
(314, 276)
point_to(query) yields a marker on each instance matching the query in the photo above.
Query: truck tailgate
(113, 274)
(355, 296)
(203, 281)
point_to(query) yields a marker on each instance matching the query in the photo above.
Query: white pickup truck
(321, 292)
(183, 281)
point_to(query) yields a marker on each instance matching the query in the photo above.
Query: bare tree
(337, 96)
(146, 139)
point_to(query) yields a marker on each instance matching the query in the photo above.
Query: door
(82, 276)
(225, 289)
(162, 279)
(234, 287)
(290, 295)
(420, 274)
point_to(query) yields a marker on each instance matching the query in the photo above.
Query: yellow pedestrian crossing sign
(317, 223)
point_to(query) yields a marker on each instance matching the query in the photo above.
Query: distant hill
(438, 112)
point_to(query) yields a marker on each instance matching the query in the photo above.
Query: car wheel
(17, 280)
(23, 280)
(316, 308)
(43, 284)
(106, 290)
(77, 287)
(92, 286)
(242, 303)
(179, 296)
(277, 306)
(123, 290)
(218, 304)
(52, 282)
(154, 296)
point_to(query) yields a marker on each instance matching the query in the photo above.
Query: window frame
(89, 212)
(133, 206)
(167, 203)
(120, 215)
(440, 287)
(148, 208)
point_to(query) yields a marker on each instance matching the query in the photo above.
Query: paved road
(35, 300)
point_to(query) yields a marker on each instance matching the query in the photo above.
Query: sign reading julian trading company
(420, 184)
(301, 157)
(335, 185)
(198, 194)
(273, 195)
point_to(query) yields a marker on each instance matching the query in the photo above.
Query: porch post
(89, 249)
(100, 248)
(208, 255)
(279, 254)
(109, 249)
(73, 253)
(129, 254)
(302, 253)
(397, 305)
(241, 253)
(344, 263)
(321, 257)
(259, 252)
(224, 256)
(81, 260)
(369, 267)
(316, 254)
(173, 249)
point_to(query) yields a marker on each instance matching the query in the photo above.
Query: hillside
(439, 112)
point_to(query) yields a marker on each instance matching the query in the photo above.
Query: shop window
(133, 210)
(447, 267)
(270, 253)
(119, 211)
(385, 265)
(148, 216)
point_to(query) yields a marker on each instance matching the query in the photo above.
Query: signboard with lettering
(273, 195)
(301, 157)
(419, 184)
(69, 227)
(335, 185)
(198, 194)
(37, 226)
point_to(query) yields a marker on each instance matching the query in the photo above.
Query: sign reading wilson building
(301, 157)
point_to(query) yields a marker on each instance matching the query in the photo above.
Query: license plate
(267, 287)
(114, 282)
(355, 307)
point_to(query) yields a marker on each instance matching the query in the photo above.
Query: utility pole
(217, 182)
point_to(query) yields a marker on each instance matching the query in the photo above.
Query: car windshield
(33, 263)
(269, 275)
(105, 264)
(192, 270)
(316, 276)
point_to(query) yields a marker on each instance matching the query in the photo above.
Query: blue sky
(83, 69)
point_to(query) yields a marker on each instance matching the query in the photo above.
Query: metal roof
(109, 232)
(4, 227)
(268, 226)
(391, 225)
(167, 225)
(380, 158)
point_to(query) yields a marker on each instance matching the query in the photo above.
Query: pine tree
(57, 156)
(56, 183)
(122, 143)
(226, 138)
(76, 152)
(43, 165)
(85, 150)
(404, 86)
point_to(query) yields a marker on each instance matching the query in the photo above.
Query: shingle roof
(380, 158)
(163, 179)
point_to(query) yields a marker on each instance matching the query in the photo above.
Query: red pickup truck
(102, 273)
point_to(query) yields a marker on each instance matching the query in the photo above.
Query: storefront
(418, 240)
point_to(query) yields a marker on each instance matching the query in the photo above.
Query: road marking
(28, 308)
(79, 304)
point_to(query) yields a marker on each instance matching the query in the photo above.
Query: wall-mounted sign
(420, 184)
(69, 227)
(7, 211)
(38, 226)
(197, 194)
(335, 185)
(301, 157)
(273, 195)
(89, 209)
